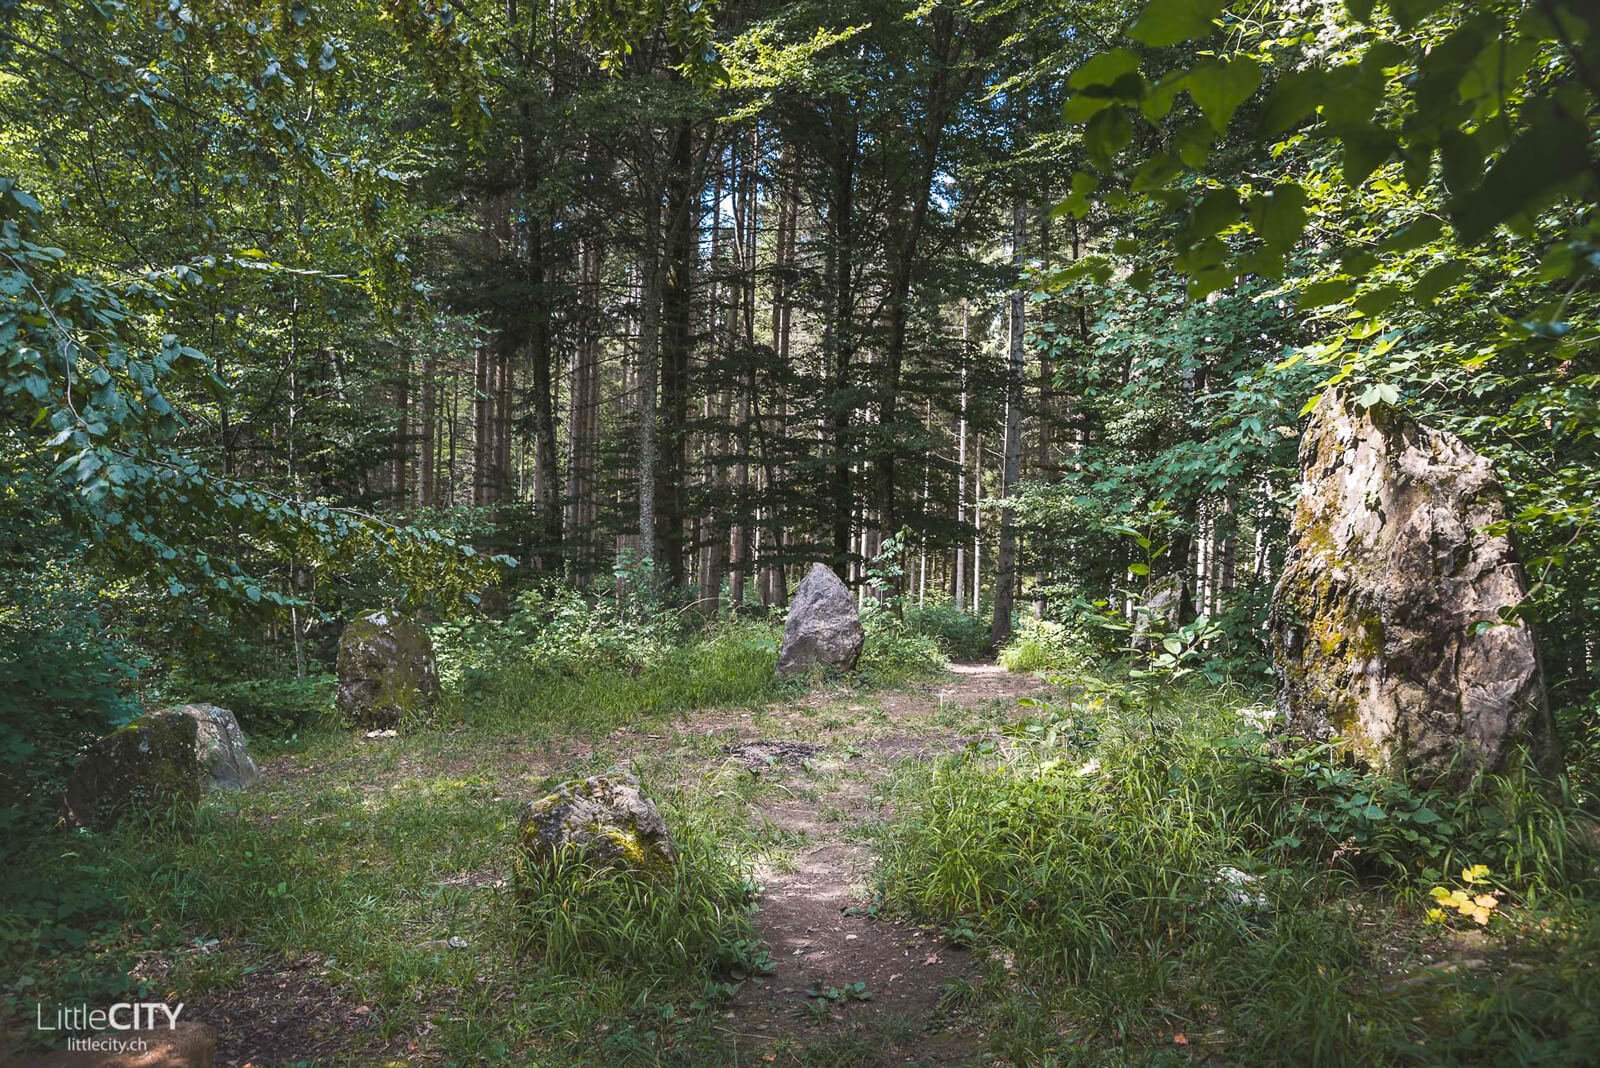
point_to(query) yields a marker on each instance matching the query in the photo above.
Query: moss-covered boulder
(1386, 624)
(147, 768)
(605, 820)
(386, 670)
(225, 761)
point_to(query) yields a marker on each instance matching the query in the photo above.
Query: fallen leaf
(934, 959)
(1180, 1039)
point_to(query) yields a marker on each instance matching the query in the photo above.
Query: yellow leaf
(1486, 901)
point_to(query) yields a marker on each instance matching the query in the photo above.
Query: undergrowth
(1146, 875)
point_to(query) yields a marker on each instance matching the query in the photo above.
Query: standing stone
(224, 757)
(147, 768)
(605, 820)
(1384, 623)
(386, 669)
(824, 626)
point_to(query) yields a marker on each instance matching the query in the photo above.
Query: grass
(1093, 853)
(1084, 851)
(385, 872)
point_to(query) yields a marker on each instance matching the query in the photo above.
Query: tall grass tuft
(1139, 877)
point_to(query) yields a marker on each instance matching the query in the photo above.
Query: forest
(1191, 406)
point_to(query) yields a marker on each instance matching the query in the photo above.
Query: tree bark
(1005, 579)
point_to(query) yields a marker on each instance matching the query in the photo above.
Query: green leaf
(1461, 155)
(1104, 69)
(1193, 143)
(1377, 300)
(1077, 204)
(1378, 393)
(1280, 216)
(1410, 12)
(1294, 97)
(1419, 232)
(1322, 294)
(1081, 107)
(1220, 87)
(1436, 281)
(1170, 22)
(1107, 134)
(1158, 98)
(1366, 148)
(1549, 155)
(1156, 172)
(1217, 210)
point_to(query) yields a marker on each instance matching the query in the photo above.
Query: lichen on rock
(604, 820)
(1391, 624)
(386, 670)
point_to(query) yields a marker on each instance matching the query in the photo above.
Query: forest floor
(817, 912)
(385, 939)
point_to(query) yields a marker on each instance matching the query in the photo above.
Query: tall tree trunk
(903, 248)
(648, 356)
(676, 342)
(546, 476)
(961, 466)
(838, 335)
(1005, 578)
(428, 433)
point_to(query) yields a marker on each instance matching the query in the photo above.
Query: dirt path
(848, 987)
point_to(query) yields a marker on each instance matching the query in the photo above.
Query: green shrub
(1044, 645)
(276, 706)
(1317, 803)
(584, 920)
(961, 635)
(893, 653)
(65, 679)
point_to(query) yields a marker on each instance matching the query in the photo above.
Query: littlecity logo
(123, 1016)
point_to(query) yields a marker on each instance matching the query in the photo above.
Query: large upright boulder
(605, 820)
(386, 669)
(824, 626)
(225, 762)
(147, 768)
(1385, 624)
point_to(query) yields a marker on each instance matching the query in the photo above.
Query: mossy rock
(1397, 560)
(605, 820)
(386, 670)
(148, 768)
